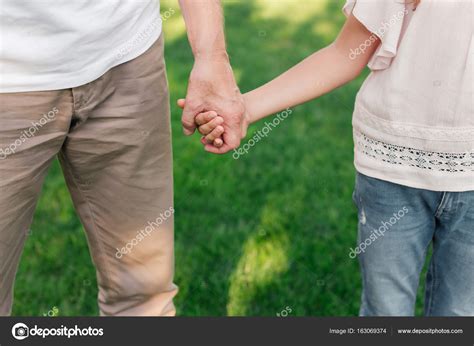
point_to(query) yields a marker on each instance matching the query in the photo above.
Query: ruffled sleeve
(385, 19)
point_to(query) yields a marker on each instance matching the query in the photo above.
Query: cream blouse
(414, 115)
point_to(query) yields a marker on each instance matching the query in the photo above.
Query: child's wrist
(250, 107)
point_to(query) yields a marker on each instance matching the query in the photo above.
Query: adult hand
(209, 125)
(212, 87)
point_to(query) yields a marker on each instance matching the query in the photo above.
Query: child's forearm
(317, 75)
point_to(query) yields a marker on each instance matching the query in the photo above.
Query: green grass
(255, 235)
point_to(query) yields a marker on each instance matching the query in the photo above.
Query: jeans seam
(93, 218)
(441, 205)
(432, 288)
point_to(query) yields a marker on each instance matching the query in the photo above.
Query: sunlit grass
(173, 23)
(264, 257)
(293, 11)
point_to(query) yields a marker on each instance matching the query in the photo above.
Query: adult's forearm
(205, 27)
(211, 84)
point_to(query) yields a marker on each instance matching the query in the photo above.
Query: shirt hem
(80, 78)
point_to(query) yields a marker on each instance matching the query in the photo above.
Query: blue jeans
(397, 225)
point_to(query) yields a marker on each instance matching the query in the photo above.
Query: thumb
(244, 129)
(232, 138)
(187, 119)
(181, 103)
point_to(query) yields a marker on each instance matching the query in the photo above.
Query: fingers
(187, 120)
(218, 142)
(232, 139)
(215, 150)
(208, 124)
(215, 134)
(204, 118)
(181, 103)
(212, 140)
(208, 127)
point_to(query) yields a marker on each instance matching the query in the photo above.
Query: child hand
(209, 125)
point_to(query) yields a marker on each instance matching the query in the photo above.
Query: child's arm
(322, 72)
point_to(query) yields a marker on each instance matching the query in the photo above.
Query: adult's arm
(211, 85)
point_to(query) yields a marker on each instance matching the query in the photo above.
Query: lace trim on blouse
(411, 157)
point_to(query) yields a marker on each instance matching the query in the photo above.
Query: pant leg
(118, 166)
(396, 225)
(33, 127)
(450, 279)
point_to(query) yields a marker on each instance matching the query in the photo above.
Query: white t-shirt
(414, 115)
(58, 44)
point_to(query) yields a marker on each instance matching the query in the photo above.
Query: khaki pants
(113, 140)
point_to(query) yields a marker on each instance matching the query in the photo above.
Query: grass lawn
(255, 236)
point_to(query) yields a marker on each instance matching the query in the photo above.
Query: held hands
(210, 126)
(214, 105)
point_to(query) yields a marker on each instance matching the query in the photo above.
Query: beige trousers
(113, 140)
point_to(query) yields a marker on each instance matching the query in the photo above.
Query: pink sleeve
(384, 18)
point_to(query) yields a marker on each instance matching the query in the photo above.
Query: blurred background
(265, 235)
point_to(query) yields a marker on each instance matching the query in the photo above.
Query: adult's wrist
(211, 55)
